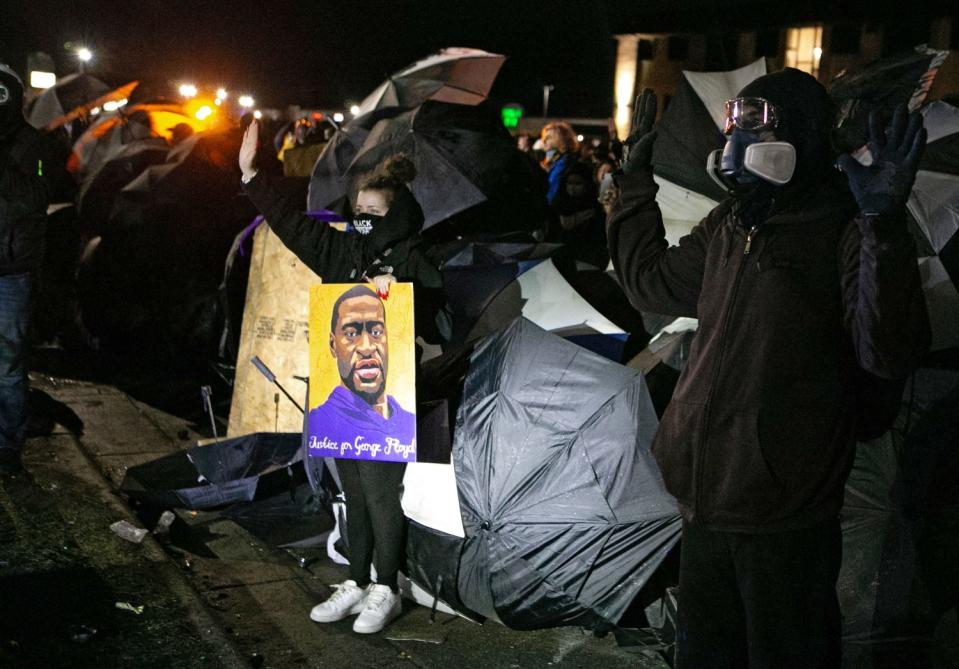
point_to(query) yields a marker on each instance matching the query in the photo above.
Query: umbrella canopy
(691, 127)
(129, 124)
(67, 94)
(119, 165)
(490, 285)
(329, 184)
(462, 155)
(563, 507)
(457, 75)
(882, 85)
(934, 209)
(119, 94)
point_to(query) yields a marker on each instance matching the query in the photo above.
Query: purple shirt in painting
(347, 427)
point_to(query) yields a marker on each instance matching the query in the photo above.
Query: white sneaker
(382, 606)
(347, 598)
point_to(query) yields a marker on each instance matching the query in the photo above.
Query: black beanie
(11, 113)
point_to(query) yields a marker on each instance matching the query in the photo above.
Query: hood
(403, 220)
(807, 118)
(11, 113)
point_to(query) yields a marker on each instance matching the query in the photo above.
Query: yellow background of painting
(400, 370)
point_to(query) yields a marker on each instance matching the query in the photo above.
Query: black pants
(763, 601)
(374, 518)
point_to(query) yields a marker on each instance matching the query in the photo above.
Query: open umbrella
(118, 166)
(462, 155)
(882, 85)
(67, 94)
(457, 75)
(116, 95)
(563, 506)
(934, 209)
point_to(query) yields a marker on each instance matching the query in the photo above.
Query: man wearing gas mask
(24, 194)
(804, 281)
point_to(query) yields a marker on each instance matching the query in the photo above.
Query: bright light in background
(218, 102)
(204, 112)
(246, 101)
(355, 109)
(338, 117)
(257, 114)
(113, 105)
(40, 79)
(95, 111)
(817, 52)
(221, 94)
(579, 138)
(188, 90)
(84, 54)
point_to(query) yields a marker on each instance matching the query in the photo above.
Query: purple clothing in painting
(347, 427)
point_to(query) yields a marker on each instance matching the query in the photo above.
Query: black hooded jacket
(759, 435)
(392, 247)
(24, 189)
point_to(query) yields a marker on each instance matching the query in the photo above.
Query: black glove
(639, 144)
(882, 188)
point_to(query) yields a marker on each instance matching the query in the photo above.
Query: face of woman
(371, 202)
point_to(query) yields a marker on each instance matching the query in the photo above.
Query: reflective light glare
(204, 112)
(355, 109)
(817, 52)
(257, 114)
(221, 93)
(110, 106)
(40, 79)
(188, 90)
(84, 54)
(218, 102)
(245, 101)
(338, 117)
(95, 111)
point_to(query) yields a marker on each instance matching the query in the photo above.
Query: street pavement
(213, 594)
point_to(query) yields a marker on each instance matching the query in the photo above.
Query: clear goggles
(4, 94)
(750, 114)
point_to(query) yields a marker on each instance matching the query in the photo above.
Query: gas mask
(746, 159)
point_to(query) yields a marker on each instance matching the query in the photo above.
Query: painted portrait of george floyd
(362, 374)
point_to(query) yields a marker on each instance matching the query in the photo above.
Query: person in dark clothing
(24, 195)
(803, 281)
(384, 247)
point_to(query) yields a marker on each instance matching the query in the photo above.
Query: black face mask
(366, 223)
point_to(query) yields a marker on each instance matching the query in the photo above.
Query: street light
(188, 90)
(546, 89)
(338, 117)
(221, 93)
(355, 109)
(246, 101)
(84, 56)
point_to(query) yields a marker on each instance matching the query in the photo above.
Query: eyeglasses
(750, 114)
(4, 94)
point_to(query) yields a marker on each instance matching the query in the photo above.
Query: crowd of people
(805, 285)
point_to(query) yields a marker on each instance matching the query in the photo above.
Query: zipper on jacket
(749, 239)
(698, 510)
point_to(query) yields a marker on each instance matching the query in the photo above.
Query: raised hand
(247, 155)
(883, 187)
(639, 144)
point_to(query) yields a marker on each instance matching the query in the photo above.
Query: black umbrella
(882, 85)
(116, 168)
(328, 181)
(564, 508)
(68, 93)
(462, 155)
(462, 76)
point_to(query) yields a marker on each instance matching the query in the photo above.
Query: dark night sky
(325, 53)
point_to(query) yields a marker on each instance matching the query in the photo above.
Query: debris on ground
(128, 531)
(127, 606)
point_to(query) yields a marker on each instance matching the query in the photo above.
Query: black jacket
(24, 195)
(760, 432)
(340, 257)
